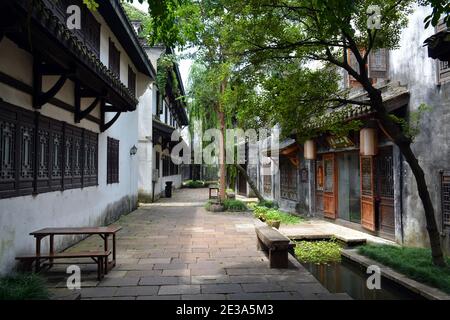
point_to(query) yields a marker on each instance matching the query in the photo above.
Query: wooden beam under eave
(39, 71)
(290, 150)
(79, 94)
(105, 126)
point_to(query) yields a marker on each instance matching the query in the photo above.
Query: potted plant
(260, 213)
(273, 218)
(274, 223)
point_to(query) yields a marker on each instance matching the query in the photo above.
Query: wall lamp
(133, 150)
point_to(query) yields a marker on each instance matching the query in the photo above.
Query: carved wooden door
(367, 194)
(385, 190)
(329, 190)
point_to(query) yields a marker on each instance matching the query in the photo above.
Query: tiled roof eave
(45, 18)
(352, 112)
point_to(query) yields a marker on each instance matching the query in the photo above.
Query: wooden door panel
(329, 193)
(329, 206)
(368, 213)
(387, 215)
(385, 190)
(367, 194)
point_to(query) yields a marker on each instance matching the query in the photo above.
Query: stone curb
(424, 290)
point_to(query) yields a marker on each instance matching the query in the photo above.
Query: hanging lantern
(368, 142)
(310, 151)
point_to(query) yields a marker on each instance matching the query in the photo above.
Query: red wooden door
(367, 193)
(329, 189)
(385, 191)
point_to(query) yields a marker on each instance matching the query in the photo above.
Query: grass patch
(413, 262)
(319, 252)
(265, 213)
(234, 205)
(194, 184)
(23, 286)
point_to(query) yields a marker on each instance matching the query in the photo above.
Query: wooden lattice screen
(445, 198)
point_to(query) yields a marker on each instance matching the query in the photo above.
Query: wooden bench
(276, 244)
(99, 258)
(103, 232)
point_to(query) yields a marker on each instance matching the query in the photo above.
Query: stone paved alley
(175, 249)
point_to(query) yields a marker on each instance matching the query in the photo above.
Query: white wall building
(61, 166)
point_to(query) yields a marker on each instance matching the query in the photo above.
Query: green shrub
(415, 263)
(23, 286)
(268, 204)
(284, 217)
(194, 184)
(234, 205)
(265, 213)
(260, 212)
(319, 252)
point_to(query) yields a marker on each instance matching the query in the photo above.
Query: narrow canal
(351, 278)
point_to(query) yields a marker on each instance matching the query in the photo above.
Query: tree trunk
(404, 144)
(250, 182)
(433, 232)
(222, 165)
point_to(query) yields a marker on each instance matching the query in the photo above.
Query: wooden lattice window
(91, 31)
(385, 174)
(288, 180)
(89, 159)
(378, 64)
(329, 175)
(442, 66)
(267, 179)
(112, 161)
(39, 154)
(366, 176)
(445, 198)
(114, 59)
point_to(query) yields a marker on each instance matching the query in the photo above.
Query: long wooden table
(103, 232)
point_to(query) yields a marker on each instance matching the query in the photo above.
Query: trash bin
(168, 189)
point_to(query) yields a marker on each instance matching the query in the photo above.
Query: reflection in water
(349, 278)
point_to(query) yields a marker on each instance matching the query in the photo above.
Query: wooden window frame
(374, 72)
(114, 58)
(443, 67)
(445, 199)
(112, 161)
(289, 191)
(89, 33)
(45, 169)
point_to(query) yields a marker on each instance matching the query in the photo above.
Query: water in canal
(351, 278)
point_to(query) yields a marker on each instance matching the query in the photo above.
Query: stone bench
(276, 244)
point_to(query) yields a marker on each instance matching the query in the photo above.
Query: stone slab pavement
(175, 249)
(320, 229)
